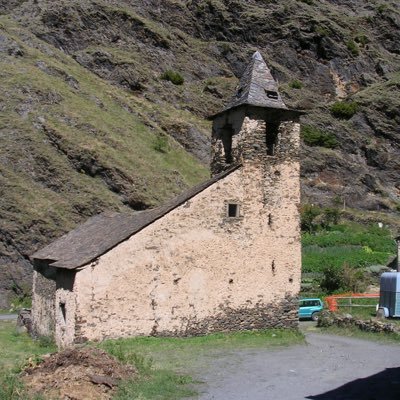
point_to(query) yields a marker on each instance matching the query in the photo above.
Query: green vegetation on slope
(352, 244)
(313, 136)
(71, 146)
(88, 124)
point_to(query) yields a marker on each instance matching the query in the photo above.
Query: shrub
(362, 39)
(331, 216)
(332, 279)
(295, 84)
(344, 109)
(352, 46)
(161, 144)
(353, 279)
(346, 278)
(175, 77)
(322, 31)
(308, 215)
(314, 137)
(226, 48)
(382, 8)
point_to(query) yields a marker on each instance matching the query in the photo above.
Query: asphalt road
(326, 368)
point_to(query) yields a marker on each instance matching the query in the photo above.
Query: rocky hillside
(103, 104)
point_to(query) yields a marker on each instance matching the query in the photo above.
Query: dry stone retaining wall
(327, 319)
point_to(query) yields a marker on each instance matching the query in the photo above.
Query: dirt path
(326, 368)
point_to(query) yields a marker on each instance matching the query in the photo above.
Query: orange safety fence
(332, 300)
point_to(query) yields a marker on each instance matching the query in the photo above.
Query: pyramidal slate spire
(257, 87)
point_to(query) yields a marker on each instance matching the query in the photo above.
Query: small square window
(233, 210)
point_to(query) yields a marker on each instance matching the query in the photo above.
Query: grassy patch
(163, 363)
(159, 384)
(11, 388)
(16, 348)
(357, 333)
(367, 311)
(16, 351)
(179, 353)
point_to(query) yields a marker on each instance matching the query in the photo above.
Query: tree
(308, 214)
(331, 216)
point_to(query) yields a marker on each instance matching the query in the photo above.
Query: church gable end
(223, 256)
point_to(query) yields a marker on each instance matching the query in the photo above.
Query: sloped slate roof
(104, 231)
(257, 87)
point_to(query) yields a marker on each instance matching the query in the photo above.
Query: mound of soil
(77, 374)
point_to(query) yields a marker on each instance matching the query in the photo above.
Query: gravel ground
(8, 317)
(328, 367)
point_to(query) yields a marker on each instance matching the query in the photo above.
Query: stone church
(223, 256)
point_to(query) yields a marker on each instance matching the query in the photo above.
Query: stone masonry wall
(43, 303)
(251, 143)
(196, 270)
(65, 308)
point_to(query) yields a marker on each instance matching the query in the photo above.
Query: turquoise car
(310, 308)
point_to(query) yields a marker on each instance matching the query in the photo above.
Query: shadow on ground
(384, 385)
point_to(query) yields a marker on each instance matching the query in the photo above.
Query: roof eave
(278, 109)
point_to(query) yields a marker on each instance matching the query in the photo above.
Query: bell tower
(255, 126)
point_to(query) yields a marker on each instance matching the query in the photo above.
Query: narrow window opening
(269, 219)
(271, 138)
(63, 312)
(272, 95)
(233, 210)
(226, 134)
(273, 267)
